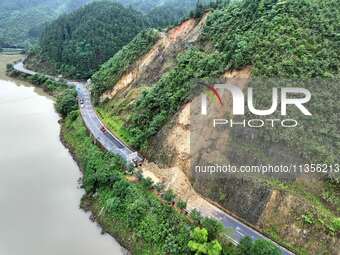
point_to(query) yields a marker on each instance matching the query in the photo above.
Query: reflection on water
(39, 197)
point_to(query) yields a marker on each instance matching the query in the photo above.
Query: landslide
(150, 98)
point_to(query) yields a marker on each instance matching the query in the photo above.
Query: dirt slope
(276, 212)
(156, 62)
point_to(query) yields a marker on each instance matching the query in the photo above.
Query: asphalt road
(111, 143)
(108, 140)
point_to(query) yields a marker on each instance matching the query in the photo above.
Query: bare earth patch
(176, 141)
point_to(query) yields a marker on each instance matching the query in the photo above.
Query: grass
(115, 125)
(274, 235)
(75, 136)
(323, 216)
(116, 228)
(158, 227)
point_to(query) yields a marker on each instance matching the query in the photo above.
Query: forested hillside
(162, 12)
(21, 21)
(76, 44)
(110, 72)
(279, 41)
(296, 39)
(170, 12)
(146, 6)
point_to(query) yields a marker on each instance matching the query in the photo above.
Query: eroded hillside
(149, 104)
(149, 68)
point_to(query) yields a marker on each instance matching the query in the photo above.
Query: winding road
(107, 140)
(111, 143)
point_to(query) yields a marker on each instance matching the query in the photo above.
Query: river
(39, 189)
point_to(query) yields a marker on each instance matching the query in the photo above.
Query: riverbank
(39, 189)
(12, 51)
(53, 89)
(48, 85)
(125, 207)
(90, 204)
(125, 213)
(7, 59)
(139, 206)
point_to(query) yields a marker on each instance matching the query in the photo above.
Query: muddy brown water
(39, 190)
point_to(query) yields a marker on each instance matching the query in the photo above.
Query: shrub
(245, 246)
(196, 217)
(308, 218)
(336, 224)
(169, 196)
(181, 204)
(67, 102)
(159, 186)
(214, 227)
(110, 72)
(200, 245)
(264, 247)
(147, 183)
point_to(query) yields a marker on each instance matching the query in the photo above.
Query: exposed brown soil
(281, 216)
(170, 158)
(149, 68)
(174, 139)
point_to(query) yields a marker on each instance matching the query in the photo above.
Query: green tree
(181, 204)
(245, 246)
(264, 247)
(214, 227)
(147, 183)
(67, 102)
(169, 196)
(196, 216)
(137, 211)
(78, 43)
(109, 73)
(336, 224)
(200, 245)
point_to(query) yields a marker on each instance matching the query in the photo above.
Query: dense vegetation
(163, 100)
(67, 102)
(162, 13)
(295, 40)
(279, 41)
(50, 86)
(111, 71)
(170, 12)
(277, 38)
(249, 247)
(21, 21)
(282, 40)
(135, 209)
(147, 6)
(80, 42)
(132, 209)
